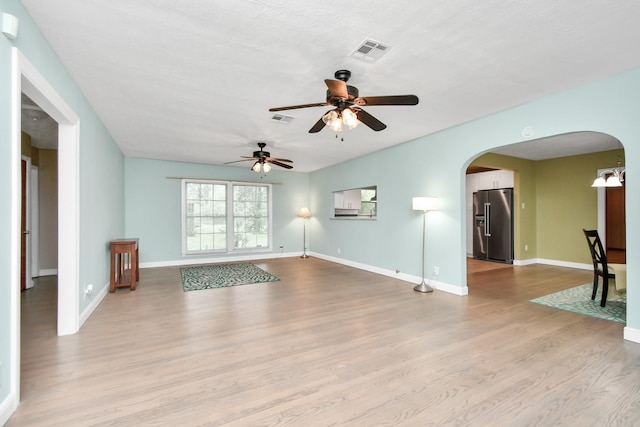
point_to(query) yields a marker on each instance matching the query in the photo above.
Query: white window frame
(229, 217)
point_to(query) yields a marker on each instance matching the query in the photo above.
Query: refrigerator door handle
(487, 219)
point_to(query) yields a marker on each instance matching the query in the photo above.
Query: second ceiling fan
(262, 159)
(347, 102)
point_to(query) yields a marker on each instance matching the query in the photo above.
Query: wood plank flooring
(329, 345)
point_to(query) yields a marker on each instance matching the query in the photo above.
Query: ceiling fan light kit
(335, 119)
(347, 102)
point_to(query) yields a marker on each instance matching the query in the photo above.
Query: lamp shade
(599, 182)
(304, 213)
(613, 181)
(425, 203)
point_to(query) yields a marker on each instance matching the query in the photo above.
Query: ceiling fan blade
(283, 165)
(338, 88)
(370, 121)
(387, 100)
(279, 159)
(320, 124)
(237, 161)
(293, 107)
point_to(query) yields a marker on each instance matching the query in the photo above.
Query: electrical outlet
(526, 248)
(436, 270)
(338, 251)
(88, 290)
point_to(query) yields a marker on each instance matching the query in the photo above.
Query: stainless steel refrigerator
(493, 225)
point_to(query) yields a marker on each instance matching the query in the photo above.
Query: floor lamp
(304, 213)
(424, 204)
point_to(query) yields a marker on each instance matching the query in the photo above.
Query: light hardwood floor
(329, 345)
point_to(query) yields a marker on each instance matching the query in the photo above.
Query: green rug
(578, 300)
(223, 275)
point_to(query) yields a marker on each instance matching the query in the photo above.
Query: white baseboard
(48, 272)
(557, 263)
(7, 408)
(414, 280)
(631, 334)
(95, 302)
(569, 264)
(521, 262)
(452, 289)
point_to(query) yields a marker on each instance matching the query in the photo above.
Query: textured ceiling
(193, 80)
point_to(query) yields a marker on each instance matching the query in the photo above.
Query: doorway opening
(554, 199)
(27, 80)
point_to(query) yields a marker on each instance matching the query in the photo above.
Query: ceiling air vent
(370, 50)
(281, 118)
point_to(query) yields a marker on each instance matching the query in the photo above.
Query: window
(369, 202)
(214, 222)
(356, 203)
(250, 216)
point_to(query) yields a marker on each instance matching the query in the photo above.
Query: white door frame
(34, 211)
(28, 277)
(26, 78)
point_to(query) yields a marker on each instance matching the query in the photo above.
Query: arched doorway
(553, 195)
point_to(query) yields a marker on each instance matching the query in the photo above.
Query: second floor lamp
(304, 213)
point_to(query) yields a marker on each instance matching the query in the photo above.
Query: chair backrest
(598, 255)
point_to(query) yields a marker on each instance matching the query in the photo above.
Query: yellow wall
(558, 203)
(567, 203)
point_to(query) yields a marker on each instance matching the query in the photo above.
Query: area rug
(223, 275)
(578, 300)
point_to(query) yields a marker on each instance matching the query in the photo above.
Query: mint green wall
(101, 175)
(153, 205)
(435, 165)
(567, 203)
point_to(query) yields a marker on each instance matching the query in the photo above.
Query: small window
(356, 203)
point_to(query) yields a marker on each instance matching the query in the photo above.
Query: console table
(125, 271)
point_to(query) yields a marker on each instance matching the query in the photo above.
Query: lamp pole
(423, 287)
(304, 239)
(304, 213)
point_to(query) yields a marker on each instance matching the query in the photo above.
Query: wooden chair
(600, 266)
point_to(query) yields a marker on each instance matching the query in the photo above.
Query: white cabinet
(352, 199)
(348, 199)
(501, 178)
(504, 178)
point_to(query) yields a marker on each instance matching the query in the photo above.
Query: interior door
(26, 281)
(23, 227)
(615, 225)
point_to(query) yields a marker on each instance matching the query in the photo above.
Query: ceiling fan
(262, 159)
(347, 101)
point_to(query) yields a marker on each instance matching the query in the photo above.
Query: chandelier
(610, 177)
